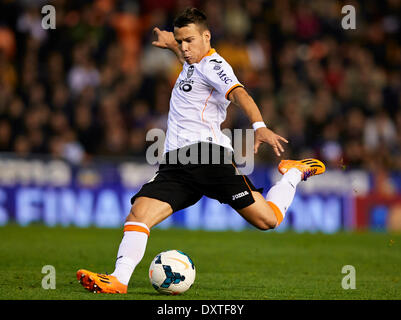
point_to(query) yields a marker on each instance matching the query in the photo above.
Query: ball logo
(171, 277)
(185, 264)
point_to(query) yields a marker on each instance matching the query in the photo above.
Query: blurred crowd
(94, 85)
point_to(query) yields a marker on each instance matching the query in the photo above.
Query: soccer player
(199, 99)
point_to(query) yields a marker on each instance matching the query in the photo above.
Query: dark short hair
(191, 15)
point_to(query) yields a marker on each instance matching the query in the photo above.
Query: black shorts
(182, 185)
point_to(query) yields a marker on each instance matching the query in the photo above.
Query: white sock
(280, 196)
(131, 250)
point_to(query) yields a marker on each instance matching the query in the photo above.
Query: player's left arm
(241, 98)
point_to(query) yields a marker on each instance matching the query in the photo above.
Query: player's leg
(268, 213)
(259, 213)
(145, 213)
(157, 199)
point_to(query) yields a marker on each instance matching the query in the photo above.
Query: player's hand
(268, 136)
(165, 39)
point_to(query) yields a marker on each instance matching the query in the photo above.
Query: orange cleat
(308, 167)
(100, 283)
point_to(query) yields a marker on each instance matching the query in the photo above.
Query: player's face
(193, 42)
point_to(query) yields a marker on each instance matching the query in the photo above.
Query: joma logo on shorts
(240, 195)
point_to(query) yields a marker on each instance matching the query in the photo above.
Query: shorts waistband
(199, 153)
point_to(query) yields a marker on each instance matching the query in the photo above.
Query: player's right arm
(241, 98)
(226, 83)
(166, 40)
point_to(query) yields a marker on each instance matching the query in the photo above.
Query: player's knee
(139, 213)
(266, 222)
(148, 211)
(135, 214)
(263, 226)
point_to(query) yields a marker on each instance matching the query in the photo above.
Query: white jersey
(198, 103)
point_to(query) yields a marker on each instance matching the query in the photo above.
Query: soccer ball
(172, 272)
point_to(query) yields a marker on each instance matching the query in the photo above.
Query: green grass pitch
(230, 265)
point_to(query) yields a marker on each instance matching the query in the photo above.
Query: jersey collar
(209, 53)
